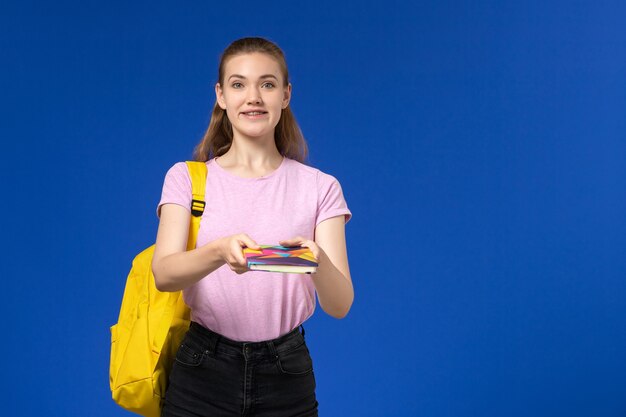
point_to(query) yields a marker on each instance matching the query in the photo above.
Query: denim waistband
(269, 348)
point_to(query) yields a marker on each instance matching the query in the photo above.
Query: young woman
(244, 353)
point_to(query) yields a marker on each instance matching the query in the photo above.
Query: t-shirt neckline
(252, 179)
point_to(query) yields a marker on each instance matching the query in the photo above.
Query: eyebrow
(261, 77)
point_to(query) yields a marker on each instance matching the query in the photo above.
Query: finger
(236, 267)
(311, 246)
(237, 254)
(291, 242)
(246, 240)
(305, 243)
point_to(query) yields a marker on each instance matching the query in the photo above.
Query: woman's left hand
(300, 241)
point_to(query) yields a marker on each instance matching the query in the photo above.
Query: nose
(254, 96)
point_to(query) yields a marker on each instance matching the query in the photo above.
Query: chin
(254, 133)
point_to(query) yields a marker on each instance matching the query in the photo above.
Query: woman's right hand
(231, 250)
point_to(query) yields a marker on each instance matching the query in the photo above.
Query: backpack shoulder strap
(197, 173)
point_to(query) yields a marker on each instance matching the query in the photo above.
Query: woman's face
(253, 94)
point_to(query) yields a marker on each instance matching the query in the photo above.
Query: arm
(174, 268)
(332, 280)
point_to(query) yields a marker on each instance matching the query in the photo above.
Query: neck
(252, 154)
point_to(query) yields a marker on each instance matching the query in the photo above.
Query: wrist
(218, 247)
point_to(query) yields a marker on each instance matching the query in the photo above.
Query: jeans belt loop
(272, 348)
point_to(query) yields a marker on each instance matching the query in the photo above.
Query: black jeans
(214, 376)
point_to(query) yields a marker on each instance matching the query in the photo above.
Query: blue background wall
(481, 147)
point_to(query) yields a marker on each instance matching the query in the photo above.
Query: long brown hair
(219, 135)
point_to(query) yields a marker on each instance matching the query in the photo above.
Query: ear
(287, 96)
(219, 96)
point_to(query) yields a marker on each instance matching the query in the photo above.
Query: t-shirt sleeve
(331, 202)
(176, 187)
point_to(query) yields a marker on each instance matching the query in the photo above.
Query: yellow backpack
(151, 324)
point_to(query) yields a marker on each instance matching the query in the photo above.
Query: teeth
(254, 113)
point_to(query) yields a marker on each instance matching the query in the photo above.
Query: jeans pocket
(189, 355)
(296, 361)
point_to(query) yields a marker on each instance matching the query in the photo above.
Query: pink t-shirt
(290, 201)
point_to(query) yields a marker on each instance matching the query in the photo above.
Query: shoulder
(301, 168)
(177, 169)
(312, 174)
(179, 172)
(177, 177)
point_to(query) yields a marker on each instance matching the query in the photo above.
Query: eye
(236, 85)
(268, 85)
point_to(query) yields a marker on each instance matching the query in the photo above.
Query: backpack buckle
(197, 207)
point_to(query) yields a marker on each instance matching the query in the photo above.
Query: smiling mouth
(255, 113)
